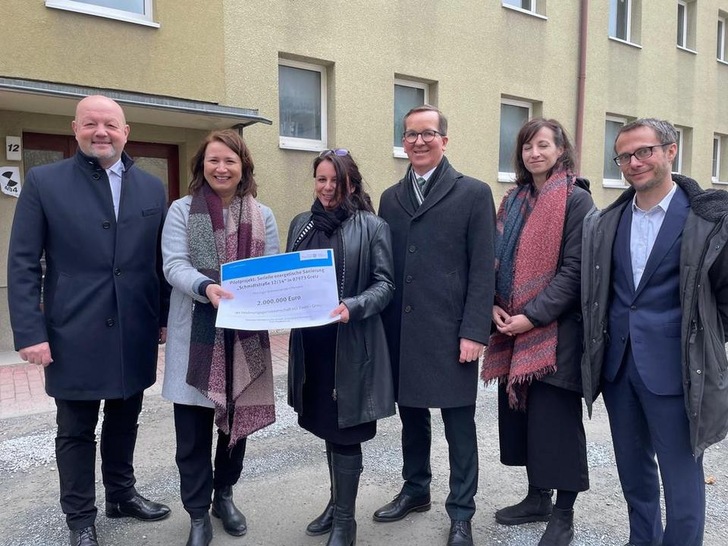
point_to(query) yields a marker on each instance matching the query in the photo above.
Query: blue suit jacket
(648, 316)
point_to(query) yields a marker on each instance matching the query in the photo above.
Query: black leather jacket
(364, 389)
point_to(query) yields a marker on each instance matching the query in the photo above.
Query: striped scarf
(246, 404)
(529, 228)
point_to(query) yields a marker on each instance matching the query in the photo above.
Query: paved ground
(284, 482)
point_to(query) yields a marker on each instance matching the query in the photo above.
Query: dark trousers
(548, 438)
(76, 454)
(645, 425)
(193, 427)
(463, 454)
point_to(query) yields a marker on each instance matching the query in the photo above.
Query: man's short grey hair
(664, 130)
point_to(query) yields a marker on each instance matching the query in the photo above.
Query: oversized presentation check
(291, 290)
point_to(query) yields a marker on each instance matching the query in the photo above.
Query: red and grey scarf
(529, 228)
(246, 404)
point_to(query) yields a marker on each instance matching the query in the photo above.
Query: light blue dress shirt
(115, 173)
(645, 227)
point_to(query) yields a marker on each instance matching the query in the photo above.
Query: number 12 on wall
(13, 150)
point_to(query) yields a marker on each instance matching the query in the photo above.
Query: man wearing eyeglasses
(655, 308)
(442, 225)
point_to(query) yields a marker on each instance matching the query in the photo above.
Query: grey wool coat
(444, 284)
(185, 280)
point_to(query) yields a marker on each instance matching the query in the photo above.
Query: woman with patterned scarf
(339, 375)
(214, 375)
(535, 350)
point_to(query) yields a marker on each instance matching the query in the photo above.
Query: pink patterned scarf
(529, 227)
(244, 404)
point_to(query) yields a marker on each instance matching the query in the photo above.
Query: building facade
(301, 77)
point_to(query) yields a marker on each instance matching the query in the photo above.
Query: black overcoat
(363, 376)
(101, 311)
(444, 282)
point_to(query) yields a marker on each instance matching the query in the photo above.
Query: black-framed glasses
(640, 153)
(427, 135)
(341, 152)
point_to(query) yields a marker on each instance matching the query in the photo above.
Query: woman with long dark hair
(339, 376)
(535, 352)
(215, 377)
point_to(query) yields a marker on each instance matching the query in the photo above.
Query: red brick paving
(22, 386)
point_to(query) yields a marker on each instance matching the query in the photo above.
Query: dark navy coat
(101, 308)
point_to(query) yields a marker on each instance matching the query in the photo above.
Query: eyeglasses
(427, 136)
(341, 152)
(639, 153)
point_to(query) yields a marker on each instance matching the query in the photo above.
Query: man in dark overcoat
(443, 226)
(97, 221)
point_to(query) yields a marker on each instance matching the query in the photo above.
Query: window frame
(510, 176)
(627, 25)
(679, 155)
(145, 19)
(533, 10)
(619, 183)
(719, 166)
(722, 39)
(683, 44)
(398, 151)
(306, 144)
(715, 166)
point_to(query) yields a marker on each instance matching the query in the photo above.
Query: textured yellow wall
(182, 58)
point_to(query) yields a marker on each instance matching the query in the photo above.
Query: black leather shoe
(137, 507)
(223, 507)
(461, 534)
(402, 505)
(200, 531)
(84, 537)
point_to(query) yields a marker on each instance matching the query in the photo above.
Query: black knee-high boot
(322, 524)
(346, 470)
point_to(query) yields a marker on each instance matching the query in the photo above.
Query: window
(682, 24)
(536, 8)
(301, 105)
(620, 12)
(612, 173)
(625, 20)
(526, 5)
(131, 11)
(686, 24)
(407, 95)
(719, 172)
(513, 114)
(721, 52)
(677, 163)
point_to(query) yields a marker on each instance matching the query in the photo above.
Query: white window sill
(625, 42)
(612, 183)
(721, 61)
(507, 178)
(99, 11)
(716, 181)
(398, 152)
(301, 144)
(687, 50)
(525, 12)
